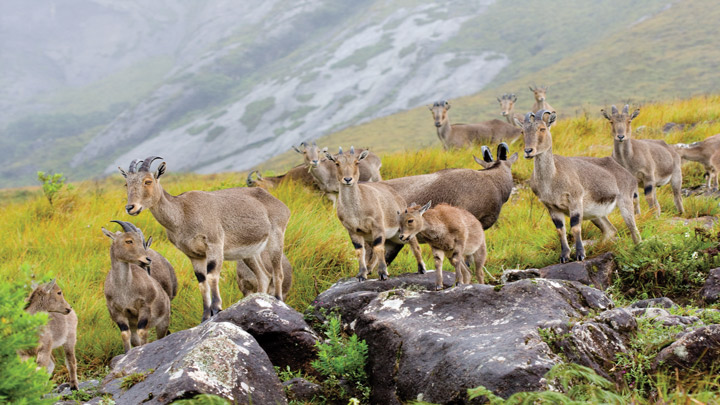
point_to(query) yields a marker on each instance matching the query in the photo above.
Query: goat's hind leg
(439, 256)
(200, 269)
(628, 215)
(676, 184)
(606, 227)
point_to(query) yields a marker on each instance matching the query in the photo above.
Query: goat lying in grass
(61, 329)
(451, 232)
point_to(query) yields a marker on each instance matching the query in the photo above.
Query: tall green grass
(65, 240)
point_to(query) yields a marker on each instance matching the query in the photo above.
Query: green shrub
(341, 360)
(51, 184)
(20, 382)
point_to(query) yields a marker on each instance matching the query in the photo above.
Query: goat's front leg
(415, 246)
(124, 326)
(144, 315)
(71, 364)
(200, 269)
(650, 195)
(576, 229)
(462, 274)
(558, 219)
(359, 245)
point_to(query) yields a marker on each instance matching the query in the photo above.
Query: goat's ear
(498, 99)
(531, 89)
(447, 105)
(329, 156)
(518, 122)
(502, 151)
(635, 114)
(514, 98)
(324, 150)
(430, 107)
(108, 233)
(148, 242)
(160, 170)
(363, 155)
(425, 207)
(295, 148)
(481, 162)
(512, 159)
(399, 213)
(123, 172)
(605, 114)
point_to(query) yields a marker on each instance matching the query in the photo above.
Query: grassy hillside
(65, 240)
(667, 55)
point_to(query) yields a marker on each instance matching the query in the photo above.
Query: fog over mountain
(218, 85)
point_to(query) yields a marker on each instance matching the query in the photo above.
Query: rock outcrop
(597, 272)
(217, 358)
(711, 290)
(280, 330)
(698, 349)
(435, 345)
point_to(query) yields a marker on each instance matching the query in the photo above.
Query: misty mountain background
(217, 85)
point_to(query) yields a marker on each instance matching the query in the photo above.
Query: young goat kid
(540, 93)
(652, 161)
(578, 187)
(451, 232)
(61, 329)
(134, 294)
(368, 211)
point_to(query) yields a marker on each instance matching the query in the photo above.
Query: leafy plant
(20, 381)
(51, 184)
(341, 360)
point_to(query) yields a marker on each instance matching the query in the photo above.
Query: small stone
(300, 389)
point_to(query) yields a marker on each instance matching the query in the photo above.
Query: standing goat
(652, 161)
(323, 170)
(61, 329)
(462, 135)
(578, 187)
(136, 288)
(209, 227)
(539, 92)
(368, 211)
(481, 192)
(707, 153)
(451, 232)
(507, 107)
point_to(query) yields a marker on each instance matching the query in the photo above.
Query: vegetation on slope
(64, 240)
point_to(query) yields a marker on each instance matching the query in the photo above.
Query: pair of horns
(144, 164)
(626, 109)
(440, 103)
(352, 150)
(130, 227)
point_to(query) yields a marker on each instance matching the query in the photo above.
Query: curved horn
(614, 110)
(626, 109)
(126, 226)
(250, 182)
(352, 150)
(147, 162)
(486, 154)
(528, 116)
(133, 166)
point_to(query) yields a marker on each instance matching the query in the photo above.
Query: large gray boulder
(711, 290)
(698, 349)
(435, 345)
(214, 358)
(280, 330)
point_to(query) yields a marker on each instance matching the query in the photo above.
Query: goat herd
(448, 210)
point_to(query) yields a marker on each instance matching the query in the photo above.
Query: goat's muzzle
(68, 310)
(348, 181)
(504, 113)
(437, 124)
(529, 153)
(542, 99)
(130, 209)
(315, 163)
(621, 138)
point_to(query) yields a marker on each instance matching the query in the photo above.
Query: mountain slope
(669, 54)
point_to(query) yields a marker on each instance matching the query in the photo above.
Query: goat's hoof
(214, 312)
(361, 278)
(564, 259)
(421, 270)
(580, 258)
(439, 287)
(383, 277)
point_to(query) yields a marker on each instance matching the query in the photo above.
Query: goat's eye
(410, 221)
(59, 292)
(148, 182)
(542, 129)
(129, 241)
